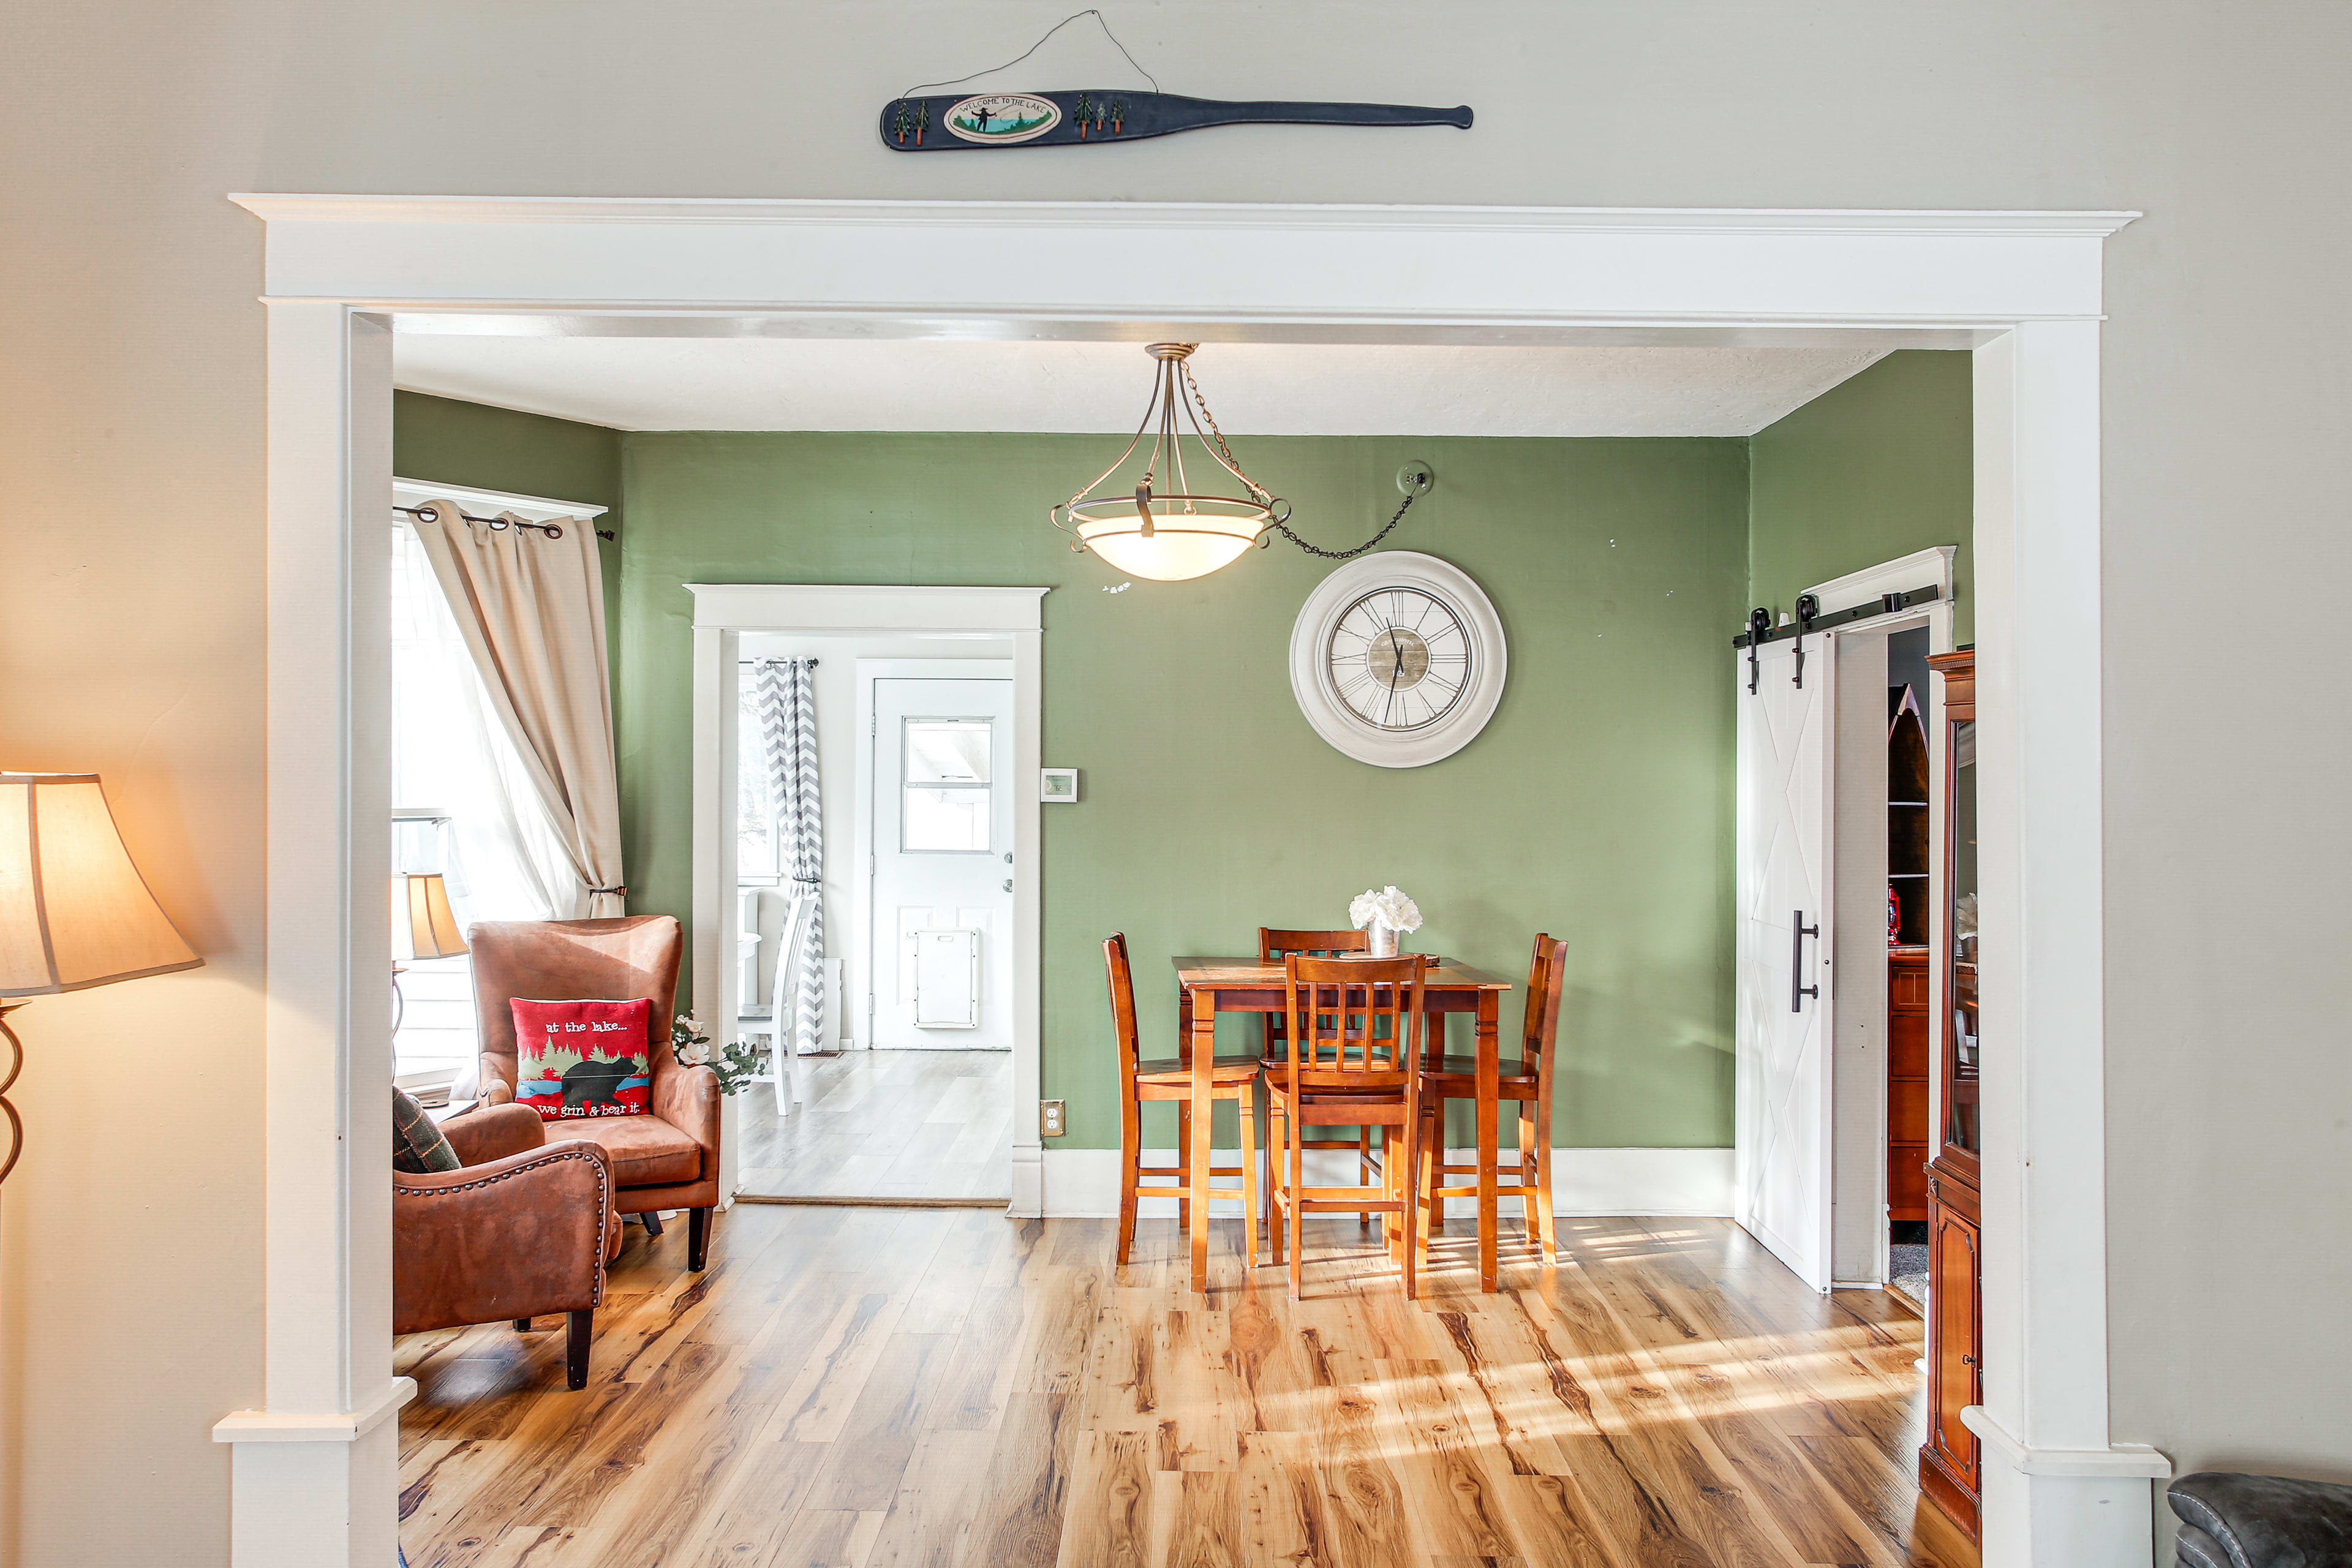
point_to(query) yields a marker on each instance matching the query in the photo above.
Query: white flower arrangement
(737, 1065)
(688, 1042)
(1388, 907)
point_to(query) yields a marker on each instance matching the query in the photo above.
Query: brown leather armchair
(668, 1160)
(524, 1228)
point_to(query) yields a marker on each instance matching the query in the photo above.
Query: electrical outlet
(1050, 1121)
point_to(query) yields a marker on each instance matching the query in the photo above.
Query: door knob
(1008, 884)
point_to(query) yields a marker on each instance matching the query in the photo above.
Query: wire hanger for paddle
(1040, 44)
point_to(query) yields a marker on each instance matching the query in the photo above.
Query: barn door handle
(1797, 994)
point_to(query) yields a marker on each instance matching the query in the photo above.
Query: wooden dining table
(1208, 987)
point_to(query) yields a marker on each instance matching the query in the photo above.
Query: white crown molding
(861, 607)
(1094, 216)
(532, 508)
(1510, 274)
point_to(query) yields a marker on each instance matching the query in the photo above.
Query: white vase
(1383, 940)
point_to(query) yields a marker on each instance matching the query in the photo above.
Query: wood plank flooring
(886, 1124)
(879, 1388)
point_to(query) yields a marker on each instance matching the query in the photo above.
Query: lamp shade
(422, 923)
(74, 912)
(1181, 545)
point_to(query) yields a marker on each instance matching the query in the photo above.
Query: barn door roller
(1760, 629)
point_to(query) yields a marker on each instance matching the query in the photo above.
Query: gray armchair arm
(2261, 1521)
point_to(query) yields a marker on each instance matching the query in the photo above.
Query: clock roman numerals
(1399, 658)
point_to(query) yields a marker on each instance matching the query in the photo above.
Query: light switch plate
(1051, 1118)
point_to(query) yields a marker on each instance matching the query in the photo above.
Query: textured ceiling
(1268, 389)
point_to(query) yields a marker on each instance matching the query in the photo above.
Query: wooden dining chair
(1353, 1037)
(1273, 945)
(1141, 1083)
(1527, 1080)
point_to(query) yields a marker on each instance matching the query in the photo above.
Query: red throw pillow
(583, 1059)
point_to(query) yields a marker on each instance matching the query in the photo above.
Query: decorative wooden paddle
(1099, 115)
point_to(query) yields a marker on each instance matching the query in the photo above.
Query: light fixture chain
(1263, 496)
(1347, 554)
(1258, 492)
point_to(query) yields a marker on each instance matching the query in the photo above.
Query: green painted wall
(1873, 468)
(1596, 805)
(526, 453)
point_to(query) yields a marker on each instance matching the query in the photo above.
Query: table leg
(1489, 1104)
(1204, 1036)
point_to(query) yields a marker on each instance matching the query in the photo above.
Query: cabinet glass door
(1960, 1127)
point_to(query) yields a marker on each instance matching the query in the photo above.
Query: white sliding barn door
(1783, 1034)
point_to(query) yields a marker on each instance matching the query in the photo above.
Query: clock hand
(1396, 665)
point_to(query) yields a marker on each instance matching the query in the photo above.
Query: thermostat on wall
(1059, 786)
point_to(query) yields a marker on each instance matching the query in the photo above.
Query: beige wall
(130, 600)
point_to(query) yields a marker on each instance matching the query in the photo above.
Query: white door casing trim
(1917, 570)
(2022, 290)
(722, 614)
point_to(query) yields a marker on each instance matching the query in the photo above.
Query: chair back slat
(1122, 1008)
(1274, 944)
(1354, 1023)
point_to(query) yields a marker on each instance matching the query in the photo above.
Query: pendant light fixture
(1161, 528)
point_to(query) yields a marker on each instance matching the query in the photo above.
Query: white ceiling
(1263, 389)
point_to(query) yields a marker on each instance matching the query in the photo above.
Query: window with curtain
(462, 805)
(758, 835)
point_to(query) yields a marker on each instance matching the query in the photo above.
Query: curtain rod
(552, 530)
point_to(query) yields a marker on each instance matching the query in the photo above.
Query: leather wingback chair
(524, 1226)
(668, 1160)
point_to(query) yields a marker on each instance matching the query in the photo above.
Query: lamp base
(16, 1066)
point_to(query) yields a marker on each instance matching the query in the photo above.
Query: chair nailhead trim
(603, 1198)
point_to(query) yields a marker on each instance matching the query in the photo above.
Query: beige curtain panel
(531, 609)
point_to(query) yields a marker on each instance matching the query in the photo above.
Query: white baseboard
(1083, 1183)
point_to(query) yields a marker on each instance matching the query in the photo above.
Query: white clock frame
(1310, 671)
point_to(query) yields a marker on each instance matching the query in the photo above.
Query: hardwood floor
(878, 1389)
(886, 1124)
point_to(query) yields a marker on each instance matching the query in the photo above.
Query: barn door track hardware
(1760, 629)
(912, 122)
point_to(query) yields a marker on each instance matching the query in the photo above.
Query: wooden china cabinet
(1949, 1461)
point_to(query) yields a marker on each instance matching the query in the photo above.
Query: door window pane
(945, 818)
(944, 794)
(947, 750)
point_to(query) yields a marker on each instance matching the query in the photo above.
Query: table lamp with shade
(423, 926)
(74, 912)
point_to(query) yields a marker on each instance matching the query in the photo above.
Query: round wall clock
(1397, 660)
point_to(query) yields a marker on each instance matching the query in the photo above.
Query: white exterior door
(1784, 939)
(941, 860)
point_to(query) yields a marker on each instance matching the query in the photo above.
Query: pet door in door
(947, 978)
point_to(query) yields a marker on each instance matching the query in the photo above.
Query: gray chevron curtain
(788, 728)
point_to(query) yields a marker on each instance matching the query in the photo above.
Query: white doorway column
(2056, 1490)
(314, 1474)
